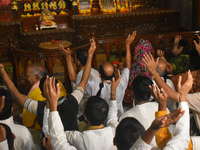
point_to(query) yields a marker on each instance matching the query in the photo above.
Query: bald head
(106, 70)
(161, 68)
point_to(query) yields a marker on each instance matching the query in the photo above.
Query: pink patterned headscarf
(139, 67)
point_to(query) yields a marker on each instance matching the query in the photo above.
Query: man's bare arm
(10, 85)
(70, 68)
(152, 66)
(176, 42)
(129, 40)
(86, 72)
(197, 45)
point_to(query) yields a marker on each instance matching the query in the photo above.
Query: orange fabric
(163, 135)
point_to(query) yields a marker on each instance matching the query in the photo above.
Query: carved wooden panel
(109, 25)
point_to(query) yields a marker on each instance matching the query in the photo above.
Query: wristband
(154, 76)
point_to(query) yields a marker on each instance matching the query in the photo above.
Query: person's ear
(85, 118)
(14, 135)
(180, 48)
(2, 102)
(78, 63)
(37, 77)
(114, 143)
(42, 95)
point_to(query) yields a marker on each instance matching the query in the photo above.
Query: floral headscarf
(139, 67)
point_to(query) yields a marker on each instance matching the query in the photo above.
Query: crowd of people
(92, 117)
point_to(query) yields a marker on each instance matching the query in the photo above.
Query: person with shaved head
(106, 73)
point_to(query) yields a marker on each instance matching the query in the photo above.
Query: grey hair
(39, 70)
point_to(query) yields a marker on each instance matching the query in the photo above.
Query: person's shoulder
(20, 128)
(129, 113)
(95, 70)
(149, 105)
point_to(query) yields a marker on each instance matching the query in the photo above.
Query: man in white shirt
(106, 73)
(181, 137)
(23, 140)
(96, 111)
(144, 111)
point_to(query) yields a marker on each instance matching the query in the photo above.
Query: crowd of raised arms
(92, 117)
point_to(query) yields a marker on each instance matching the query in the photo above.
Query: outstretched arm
(86, 72)
(56, 129)
(176, 41)
(70, 68)
(163, 135)
(10, 85)
(161, 122)
(197, 46)
(161, 98)
(152, 66)
(181, 137)
(129, 40)
(112, 113)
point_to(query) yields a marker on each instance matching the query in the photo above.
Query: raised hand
(51, 92)
(1, 66)
(151, 63)
(130, 38)
(185, 88)
(161, 98)
(66, 52)
(114, 86)
(197, 46)
(167, 120)
(47, 143)
(92, 47)
(177, 39)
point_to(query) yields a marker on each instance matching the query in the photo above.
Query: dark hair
(186, 46)
(42, 83)
(96, 110)
(140, 87)
(127, 133)
(161, 46)
(103, 74)
(81, 55)
(6, 112)
(9, 136)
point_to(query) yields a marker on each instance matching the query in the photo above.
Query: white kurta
(92, 88)
(23, 140)
(180, 139)
(88, 140)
